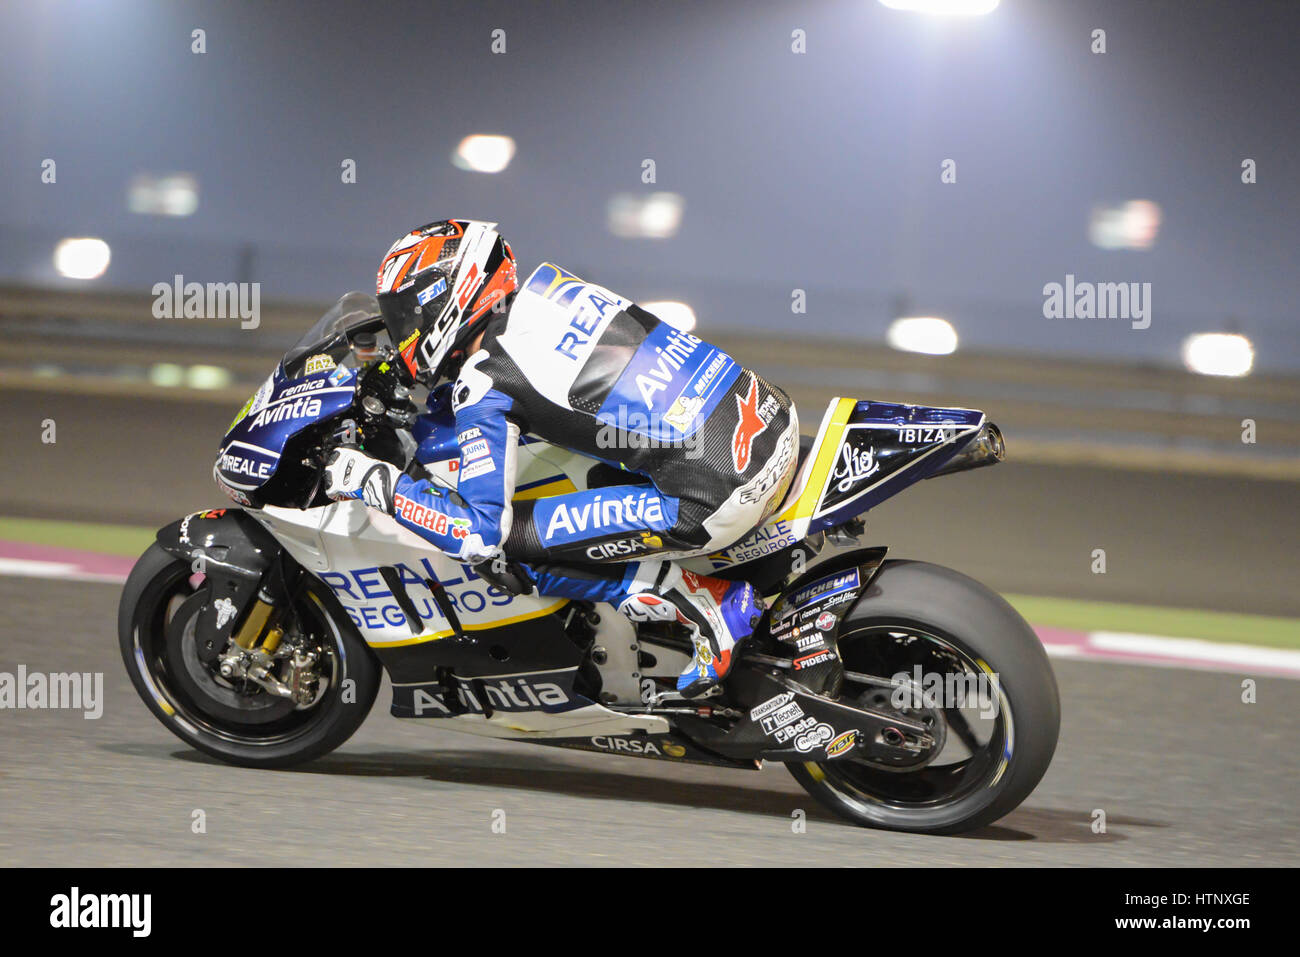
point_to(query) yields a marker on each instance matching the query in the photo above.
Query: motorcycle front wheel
(233, 718)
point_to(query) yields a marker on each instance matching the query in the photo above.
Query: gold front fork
(253, 625)
(272, 640)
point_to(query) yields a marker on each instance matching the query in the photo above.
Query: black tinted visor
(400, 317)
(414, 308)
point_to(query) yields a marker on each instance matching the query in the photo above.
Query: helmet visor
(400, 317)
(417, 310)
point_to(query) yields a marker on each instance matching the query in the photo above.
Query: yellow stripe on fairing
(420, 639)
(807, 501)
(561, 486)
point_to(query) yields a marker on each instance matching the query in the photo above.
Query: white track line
(1190, 653)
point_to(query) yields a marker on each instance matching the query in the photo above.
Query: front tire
(240, 726)
(918, 614)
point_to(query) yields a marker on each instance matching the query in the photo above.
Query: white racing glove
(351, 474)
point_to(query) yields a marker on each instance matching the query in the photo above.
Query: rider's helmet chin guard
(437, 286)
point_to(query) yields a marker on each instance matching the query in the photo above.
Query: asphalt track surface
(1185, 772)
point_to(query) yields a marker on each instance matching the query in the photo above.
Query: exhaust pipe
(986, 448)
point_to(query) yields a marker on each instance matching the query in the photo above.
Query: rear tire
(258, 730)
(919, 599)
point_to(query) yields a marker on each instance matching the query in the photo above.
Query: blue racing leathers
(700, 449)
(472, 522)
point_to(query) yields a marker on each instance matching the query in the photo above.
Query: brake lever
(343, 438)
(315, 489)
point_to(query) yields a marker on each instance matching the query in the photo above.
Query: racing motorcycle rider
(697, 450)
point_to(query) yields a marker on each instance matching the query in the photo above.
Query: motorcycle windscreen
(328, 343)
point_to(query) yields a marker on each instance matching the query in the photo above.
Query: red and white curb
(1194, 653)
(28, 560)
(68, 564)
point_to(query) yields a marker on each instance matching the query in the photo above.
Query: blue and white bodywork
(282, 407)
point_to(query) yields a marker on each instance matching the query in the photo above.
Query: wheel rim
(970, 759)
(197, 698)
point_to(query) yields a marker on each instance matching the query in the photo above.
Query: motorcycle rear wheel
(915, 613)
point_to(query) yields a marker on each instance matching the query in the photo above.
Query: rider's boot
(720, 615)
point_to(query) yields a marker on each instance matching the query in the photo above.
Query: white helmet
(436, 286)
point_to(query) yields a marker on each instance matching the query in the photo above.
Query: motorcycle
(901, 694)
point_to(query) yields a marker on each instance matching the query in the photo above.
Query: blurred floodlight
(946, 7)
(928, 334)
(676, 314)
(1218, 353)
(170, 194)
(81, 257)
(166, 374)
(207, 377)
(1131, 225)
(484, 153)
(656, 216)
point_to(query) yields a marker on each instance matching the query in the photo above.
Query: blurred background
(854, 197)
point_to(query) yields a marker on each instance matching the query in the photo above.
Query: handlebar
(345, 435)
(381, 411)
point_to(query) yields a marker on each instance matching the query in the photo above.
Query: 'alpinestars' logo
(748, 428)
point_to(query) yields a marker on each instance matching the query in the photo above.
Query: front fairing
(283, 407)
(315, 380)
